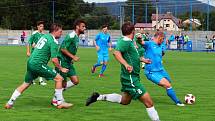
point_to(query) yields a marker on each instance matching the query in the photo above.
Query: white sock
(15, 95)
(40, 79)
(59, 95)
(69, 84)
(116, 98)
(153, 114)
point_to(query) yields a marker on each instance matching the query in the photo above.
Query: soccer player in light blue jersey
(155, 71)
(102, 44)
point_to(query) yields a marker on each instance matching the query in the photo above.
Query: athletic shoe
(93, 69)
(33, 82)
(43, 83)
(92, 98)
(64, 105)
(101, 75)
(180, 104)
(8, 106)
(54, 102)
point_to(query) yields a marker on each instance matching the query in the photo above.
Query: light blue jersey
(153, 51)
(102, 41)
(155, 70)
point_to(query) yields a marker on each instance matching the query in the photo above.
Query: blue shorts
(103, 57)
(156, 76)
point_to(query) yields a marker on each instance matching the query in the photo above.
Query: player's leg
(59, 93)
(28, 80)
(162, 79)
(104, 65)
(147, 101)
(99, 62)
(123, 99)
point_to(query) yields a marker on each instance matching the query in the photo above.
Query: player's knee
(123, 102)
(58, 78)
(75, 82)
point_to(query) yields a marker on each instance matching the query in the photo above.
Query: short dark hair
(104, 26)
(40, 22)
(159, 33)
(127, 28)
(78, 22)
(55, 27)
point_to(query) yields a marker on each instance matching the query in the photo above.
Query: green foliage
(23, 14)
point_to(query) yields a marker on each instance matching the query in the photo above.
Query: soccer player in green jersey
(127, 55)
(36, 35)
(67, 55)
(46, 48)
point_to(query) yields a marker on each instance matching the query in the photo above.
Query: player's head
(56, 30)
(40, 26)
(159, 36)
(105, 28)
(128, 29)
(79, 26)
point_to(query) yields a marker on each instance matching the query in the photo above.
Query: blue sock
(172, 95)
(103, 69)
(96, 65)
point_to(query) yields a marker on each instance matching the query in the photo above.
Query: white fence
(12, 37)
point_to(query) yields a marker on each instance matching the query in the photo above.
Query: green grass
(191, 73)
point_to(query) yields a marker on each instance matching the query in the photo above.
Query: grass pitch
(191, 73)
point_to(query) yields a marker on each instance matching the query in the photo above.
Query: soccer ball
(189, 99)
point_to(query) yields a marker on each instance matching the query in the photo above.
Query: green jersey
(70, 43)
(131, 56)
(46, 48)
(34, 38)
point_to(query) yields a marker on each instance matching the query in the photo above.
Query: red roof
(143, 25)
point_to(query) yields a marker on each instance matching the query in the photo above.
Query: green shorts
(133, 86)
(34, 71)
(69, 66)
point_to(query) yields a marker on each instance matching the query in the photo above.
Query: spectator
(186, 39)
(83, 38)
(181, 42)
(171, 39)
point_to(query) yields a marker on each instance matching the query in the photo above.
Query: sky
(212, 2)
(102, 1)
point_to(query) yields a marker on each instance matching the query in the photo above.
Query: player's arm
(120, 59)
(57, 64)
(95, 42)
(145, 60)
(67, 53)
(30, 41)
(28, 53)
(54, 53)
(109, 44)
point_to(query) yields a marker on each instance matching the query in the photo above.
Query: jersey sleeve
(54, 50)
(122, 46)
(66, 43)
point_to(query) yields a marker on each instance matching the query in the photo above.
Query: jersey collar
(126, 38)
(54, 39)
